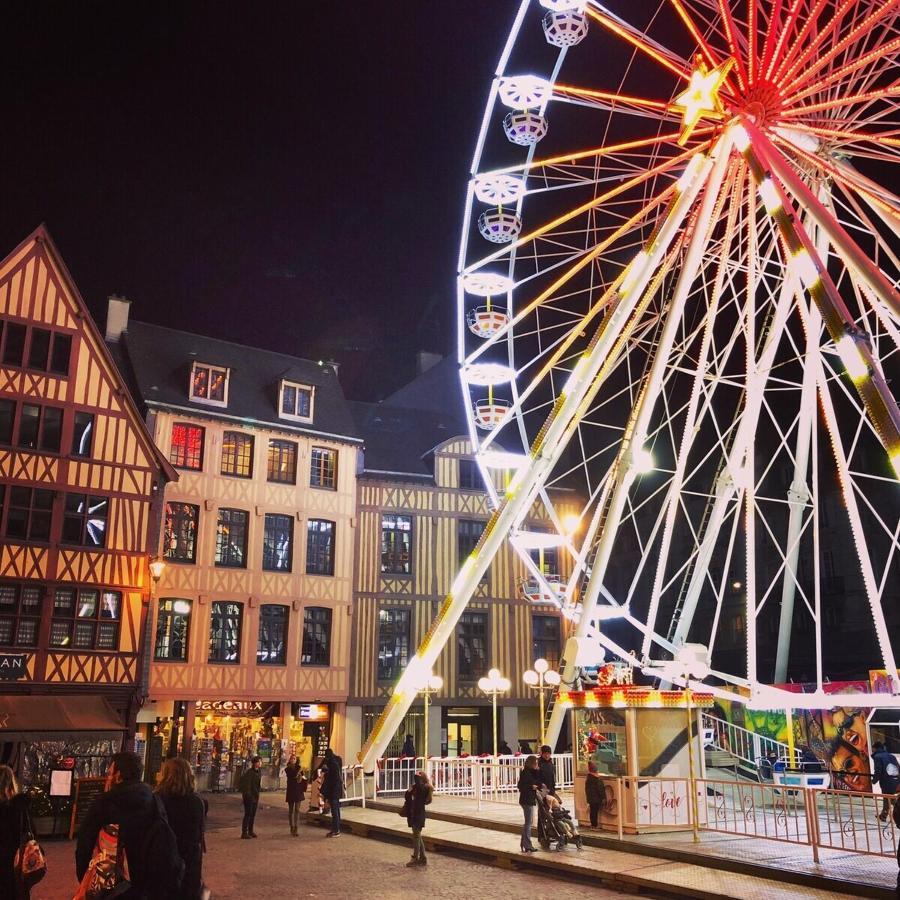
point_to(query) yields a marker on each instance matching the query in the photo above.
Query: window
(271, 648)
(469, 476)
(86, 618)
(13, 344)
(278, 539)
(172, 630)
(82, 434)
(7, 417)
(186, 451)
(545, 558)
(468, 534)
(209, 384)
(62, 350)
(20, 614)
(237, 454)
(295, 401)
(545, 639)
(471, 646)
(29, 513)
(40, 427)
(323, 468)
(180, 532)
(316, 649)
(396, 544)
(84, 520)
(393, 643)
(231, 538)
(225, 632)
(319, 547)
(282, 462)
(39, 350)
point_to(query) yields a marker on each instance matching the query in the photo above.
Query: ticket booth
(634, 740)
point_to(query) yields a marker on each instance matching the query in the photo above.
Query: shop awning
(32, 717)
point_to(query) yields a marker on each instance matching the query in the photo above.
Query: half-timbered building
(422, 508)
(81, 487)
(251, 622)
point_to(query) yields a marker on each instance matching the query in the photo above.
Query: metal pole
(541, 705)
(692, 783)
(494, 704)
(426, 695)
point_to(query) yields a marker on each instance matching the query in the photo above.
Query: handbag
(30, 863)
(406, 809)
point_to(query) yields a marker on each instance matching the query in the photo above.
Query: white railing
(354, 784)
(394, 774)
(452, 776)
(746, 745)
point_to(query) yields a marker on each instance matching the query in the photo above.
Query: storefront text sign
(256, 709)
(311, 712)
(13, 666)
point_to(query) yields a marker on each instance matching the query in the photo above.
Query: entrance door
(460, 738)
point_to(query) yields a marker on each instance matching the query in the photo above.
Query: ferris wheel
(677, 300)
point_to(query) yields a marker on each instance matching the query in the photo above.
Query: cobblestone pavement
(312, 865)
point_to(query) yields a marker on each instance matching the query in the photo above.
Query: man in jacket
(887, 774)
(249, 787)
(130, 804)
(547, 770)
(333, 789)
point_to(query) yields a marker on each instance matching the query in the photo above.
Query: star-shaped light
(701, 97)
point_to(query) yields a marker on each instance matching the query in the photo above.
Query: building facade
(422, 508)
(81, 492)
(251, 618)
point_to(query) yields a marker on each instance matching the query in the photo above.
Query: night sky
(289, 175)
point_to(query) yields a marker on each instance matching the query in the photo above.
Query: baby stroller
(555, 824)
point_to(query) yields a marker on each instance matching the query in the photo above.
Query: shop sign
(311, 712)
(13, 666)
(255, 709)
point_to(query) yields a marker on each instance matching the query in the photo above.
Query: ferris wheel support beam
(636, 431)
(798, 492)
(580, 389)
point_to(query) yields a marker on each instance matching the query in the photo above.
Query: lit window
(20, 614)
(282, 462)
(237, 454)
(84, 521)
(186, 451)
(225, 632)
(209, 384)
(180, 532)
(172, 630)
(396, 544)
(86, 618)
(231, 538)
(271, 647)
(295, 401)
(323, 468)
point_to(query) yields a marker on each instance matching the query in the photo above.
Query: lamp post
(492, 685)
(690, 662)
(541, 678)
(429, 685)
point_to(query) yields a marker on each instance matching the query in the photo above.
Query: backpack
(160, 853)
(107, 874)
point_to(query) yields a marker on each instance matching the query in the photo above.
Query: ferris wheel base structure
(704, 314)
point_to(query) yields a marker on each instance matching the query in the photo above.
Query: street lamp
(541, 678)
(430, 684)
(157, 567)
(494, 683)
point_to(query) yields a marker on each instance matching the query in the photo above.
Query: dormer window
(295, 401)
(209, 384)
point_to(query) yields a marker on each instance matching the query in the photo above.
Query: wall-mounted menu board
(87, 790)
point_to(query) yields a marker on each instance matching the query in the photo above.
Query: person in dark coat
(250, 786)
(13, 825)
(547, 770)
(186, 813)
(593, 792)
(294, 792)
(333, 789)
(887, 774)
(529, 785)
(416, 798)
(130, 804)
(504, 749)
(409, 747)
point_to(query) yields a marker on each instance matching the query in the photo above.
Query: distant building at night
(421, 509)
(81, 490)
(250, 641)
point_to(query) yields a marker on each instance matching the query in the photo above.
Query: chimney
(426, 361)
(117, 309)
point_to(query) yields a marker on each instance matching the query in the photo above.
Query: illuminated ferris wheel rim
(722, 101)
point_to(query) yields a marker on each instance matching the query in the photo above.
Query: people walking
(529, 785)
(416, 798)
(13, 828)
(129, 818)
(249, 786)
(333, 789)
(593, 793)
(548, 770)
(186, 813)
(887, 774)
(294, 792)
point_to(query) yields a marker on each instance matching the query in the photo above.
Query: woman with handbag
(21, 859)
(295, 792)
(186, 813)
(417, 797)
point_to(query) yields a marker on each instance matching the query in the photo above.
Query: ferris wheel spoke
(839, 102)
(700, 40)
(811, 19)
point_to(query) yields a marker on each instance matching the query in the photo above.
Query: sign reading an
(13, 666)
